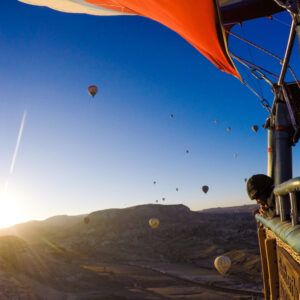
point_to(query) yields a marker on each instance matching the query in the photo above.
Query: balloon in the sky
(245, 179)
(216, 121)
(154, 182)
(187, 151)
(93, 90)
(222, 264)
(255, 128)
(201, 30)
(205, 189)
(163, 199)
(235, 155)
(177, 189)
(171, 116)
(154, 223)
(228, 128)
(156, 201)
(86, 220)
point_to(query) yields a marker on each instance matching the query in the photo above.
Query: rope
(267, 52)
(280, 21)
(295, 77)
(256, 46)
(252, 58)
(263, 101)
(253, 65)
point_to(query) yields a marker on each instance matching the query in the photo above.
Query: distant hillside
(49, 255)
(182, 236)
(232, 209)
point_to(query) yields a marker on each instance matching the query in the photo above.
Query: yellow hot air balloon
(154, 223)
(222, 264)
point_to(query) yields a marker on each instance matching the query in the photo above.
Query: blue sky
(80, 154)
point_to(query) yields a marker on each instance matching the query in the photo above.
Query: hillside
(231, 209)
(65, 255)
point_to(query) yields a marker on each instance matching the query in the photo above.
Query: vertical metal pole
(277, 205)
(283, 150)
(270, 152)
(271, 160)
(282, 208)
(298, 23)
(298, 34)
(294, 209)
(288, 52)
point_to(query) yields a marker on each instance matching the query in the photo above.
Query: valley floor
(173, 281)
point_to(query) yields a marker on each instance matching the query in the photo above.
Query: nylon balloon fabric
(196, 21)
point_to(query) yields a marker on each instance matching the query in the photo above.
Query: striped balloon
(222, 264)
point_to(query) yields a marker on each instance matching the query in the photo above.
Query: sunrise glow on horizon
(64, 152)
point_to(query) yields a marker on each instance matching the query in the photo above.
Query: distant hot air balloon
(154, 223)
(156, 201)
(205, 189)
(228, 128)
(245, 179)
(187, 151)
(177, 189)
(235, 155)
(163, 199)
(222, 264)
(255, 128)
(86, 220)
(216, 121)
(171, 116)
(154, 182)
(93, 90)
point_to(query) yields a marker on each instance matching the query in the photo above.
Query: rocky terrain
(116, 255)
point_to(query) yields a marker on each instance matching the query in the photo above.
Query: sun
(10, 211)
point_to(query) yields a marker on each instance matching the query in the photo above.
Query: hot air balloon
(154, 182)
(154, 223)
(222, 264)
(171, 116)
(245, 179)
(187, 151)
(205, 189)
(206, 24)
(235, 155)
(216, 122)
(156, 201)
(177, 189)
(86, 220)
(163, 199)
(228, 128)
(255, 128)
(93, 90)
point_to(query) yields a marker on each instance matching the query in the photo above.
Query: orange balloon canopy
(196, 21)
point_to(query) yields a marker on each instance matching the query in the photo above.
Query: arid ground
(116, 255)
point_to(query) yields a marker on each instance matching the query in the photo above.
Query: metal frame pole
(283, 149)
(283, 157)
(288, 51)
(298, 23)
(271, 153)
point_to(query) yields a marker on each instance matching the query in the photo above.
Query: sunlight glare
(10, 212)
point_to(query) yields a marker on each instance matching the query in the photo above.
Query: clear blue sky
(79, 154)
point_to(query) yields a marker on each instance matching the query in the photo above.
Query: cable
(252, 58)
(256, 46)
(242, 60)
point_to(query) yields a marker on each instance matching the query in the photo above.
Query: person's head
(259, 188)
